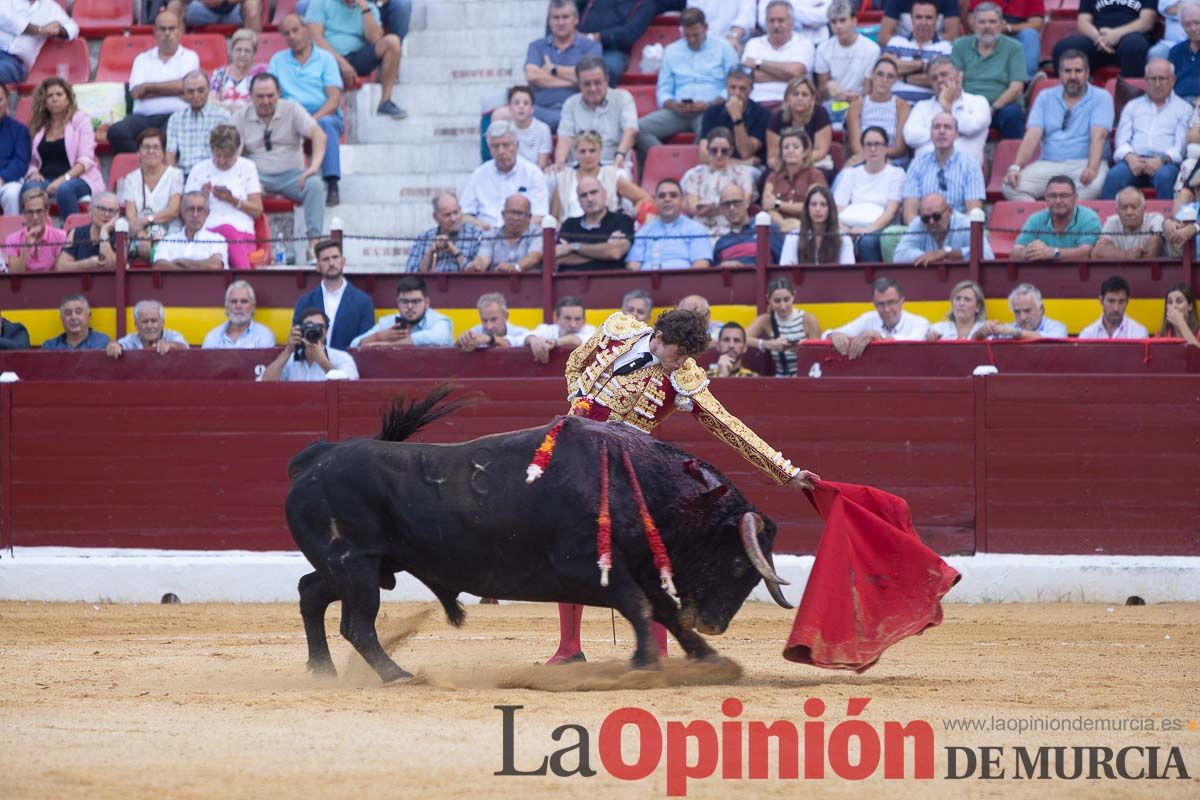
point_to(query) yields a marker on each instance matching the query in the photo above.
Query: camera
(310, 332)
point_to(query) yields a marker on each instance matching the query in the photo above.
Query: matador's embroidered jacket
(645, 397)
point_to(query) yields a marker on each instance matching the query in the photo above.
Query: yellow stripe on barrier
(195, 322)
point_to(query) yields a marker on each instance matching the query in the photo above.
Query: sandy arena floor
(213, 701)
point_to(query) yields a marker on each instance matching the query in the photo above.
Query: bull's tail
(404, 419)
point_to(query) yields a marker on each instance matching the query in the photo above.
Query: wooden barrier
(1011, 463)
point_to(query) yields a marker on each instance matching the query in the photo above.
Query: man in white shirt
(156, 84)
(306, 356)
(569, 330)
(239, 331)
(1029, 318)
(25, 25)
(732, 20)
(889, 320)
(843, 60)
(779, 56)
(494, 329)
(193, 247)
(493, 182)
(808, 19)
(1151, 136)
(972, 112)
(913, 53)
(1113, 322)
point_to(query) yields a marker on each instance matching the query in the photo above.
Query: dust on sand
(212, 700)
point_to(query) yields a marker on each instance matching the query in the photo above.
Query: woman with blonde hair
(786, 187)
(782, 327)
(801, 109)
(818, 239)
(230, 84)
(234, 193)
(1179, 315)
(564, 201)
(63, 161)
(968, 313)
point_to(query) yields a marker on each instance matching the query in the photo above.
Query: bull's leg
(315, 596)
(693, 643)
(357, 581)
(633, 605)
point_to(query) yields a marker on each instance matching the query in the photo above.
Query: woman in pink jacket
(63, 161)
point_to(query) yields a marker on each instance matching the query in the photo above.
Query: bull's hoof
(559, 658)
(648, 666)
(321, 669)
(396, 677)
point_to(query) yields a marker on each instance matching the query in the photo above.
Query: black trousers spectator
(1130, 56)
(123, 135)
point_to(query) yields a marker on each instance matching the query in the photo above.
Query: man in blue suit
(350, 310)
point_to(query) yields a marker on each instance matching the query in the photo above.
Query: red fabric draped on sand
(873, 582)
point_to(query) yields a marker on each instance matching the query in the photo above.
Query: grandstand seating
(99, 18)
(1040, 87)
(653, 35)
(269, 43)
(10, 225)
(118, 52)
(668, 161)
(1007, 218)
(59, 57)
(75, 220)
(122, 165)
(1006, 153)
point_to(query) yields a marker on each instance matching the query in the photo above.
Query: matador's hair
(685, 329)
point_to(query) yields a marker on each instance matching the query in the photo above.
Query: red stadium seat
(1006, 153)
(99, 18)
(644, 98)
(668, 161)
(10, 225)
(1062, 9)
(838, 154)
(1006, 221)
(122, 165)
(24, 112)
(261, 256)
(77, 220)
(663, 36)
(117, 54)
(59, 57)
(1120, 98)
(269, 43)
(867, 15)
(682, 138)
(274, 204)
(282, 9)
(1040, 87)
(210, 47)
(1054, 31)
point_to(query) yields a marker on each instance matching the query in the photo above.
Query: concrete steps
(459, 59)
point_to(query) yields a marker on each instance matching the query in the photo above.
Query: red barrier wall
(1010, 463)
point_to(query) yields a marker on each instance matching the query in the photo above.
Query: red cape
(873, 582)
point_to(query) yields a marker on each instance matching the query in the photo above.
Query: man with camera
(414, 322)
(305, 357)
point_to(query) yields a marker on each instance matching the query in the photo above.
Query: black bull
(461, 518)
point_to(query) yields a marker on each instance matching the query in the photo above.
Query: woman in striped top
(782, 327)
(878, 108)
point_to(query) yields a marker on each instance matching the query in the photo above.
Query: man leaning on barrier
(307, 357)
(889, 320)
(149, 317)
(1029, 318)
(413, 324)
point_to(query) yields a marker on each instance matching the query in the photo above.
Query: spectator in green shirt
(993, 66)
(1064, 231)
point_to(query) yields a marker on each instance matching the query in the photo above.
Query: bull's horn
(773, 588)
(749, 527)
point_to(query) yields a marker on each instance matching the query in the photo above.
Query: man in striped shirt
(955, 175)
